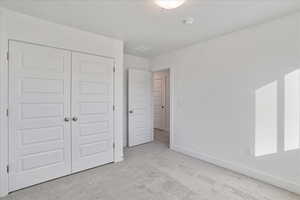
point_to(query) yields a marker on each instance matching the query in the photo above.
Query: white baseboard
(253, 173)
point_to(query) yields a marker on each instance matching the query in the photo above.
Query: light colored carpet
(153, 172)
(162, 136)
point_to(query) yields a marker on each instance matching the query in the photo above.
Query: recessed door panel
(39, 98)
(92, 111)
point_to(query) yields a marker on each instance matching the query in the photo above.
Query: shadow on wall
(266, 116)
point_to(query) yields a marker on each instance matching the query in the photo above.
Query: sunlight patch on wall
(266, 119)
(292, 111)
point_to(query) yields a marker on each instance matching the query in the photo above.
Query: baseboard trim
(259, 175)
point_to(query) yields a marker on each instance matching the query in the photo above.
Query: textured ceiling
(146, 29)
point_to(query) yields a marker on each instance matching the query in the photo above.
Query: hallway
(162, 136)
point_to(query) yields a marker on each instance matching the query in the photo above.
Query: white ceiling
(145, 28)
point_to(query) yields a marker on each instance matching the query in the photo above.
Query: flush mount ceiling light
(169, 4)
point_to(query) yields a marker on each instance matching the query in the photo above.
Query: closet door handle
(66, 119)
(75, 119)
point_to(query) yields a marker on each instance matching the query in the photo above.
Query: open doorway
(150, 107)
(161, 106)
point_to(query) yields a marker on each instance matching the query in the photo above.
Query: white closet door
(140, 107)
(39, 98)
(92, 111)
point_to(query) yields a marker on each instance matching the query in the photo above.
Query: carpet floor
(154, 172)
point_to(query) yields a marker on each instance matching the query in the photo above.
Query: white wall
(25, 28)
(133, 62)
(214, 98)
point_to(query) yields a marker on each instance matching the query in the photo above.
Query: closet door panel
(39, 100)
(92, 111)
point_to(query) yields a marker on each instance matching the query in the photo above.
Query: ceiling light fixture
(169, 4)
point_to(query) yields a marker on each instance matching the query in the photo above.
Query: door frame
(5, 105)
(171, 88)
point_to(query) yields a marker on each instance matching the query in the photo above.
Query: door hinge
(7, 56)
(7, 112)
(7, 168)
(114, 107)
(114, 145)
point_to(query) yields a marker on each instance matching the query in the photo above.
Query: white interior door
(159, 100)
(39, 100)
(140, 107)
(92, 111)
